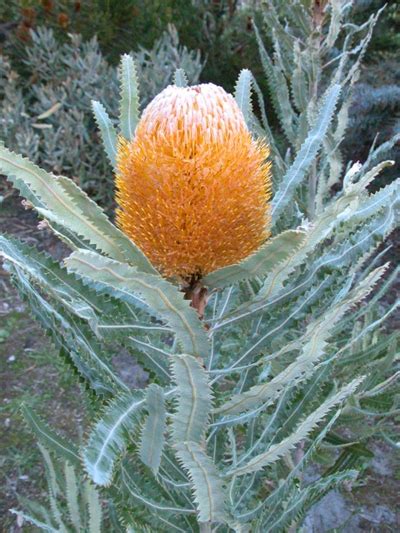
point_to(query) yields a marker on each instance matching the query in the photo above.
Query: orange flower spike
(193, 186)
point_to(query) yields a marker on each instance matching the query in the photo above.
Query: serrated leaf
(35, 522)
(349, 207)
(243, 94)
(52, 478)
(72, 493)
(266, 133)
(94, 508)
(69, 305)
(337, 10)
(299, 80)
(49, 438)
(54, 488)
(74, 339)
(378, 153)
(35, 509)
(153, 432)
(302, 500)
(194, 399)
(276, 451)
(72, 208)
(313, 349)
(129, 103)
(207, 484)
(135, 488)
(273, 252)
(384, 197)
(307, 153)
(163, 298)
(278, 496)
(48, 274)
(152, 358)
(278, 89)
(180, 78)
(366, 179)
(111, 435)
(107, 131)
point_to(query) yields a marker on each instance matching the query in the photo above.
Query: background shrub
(45, 112)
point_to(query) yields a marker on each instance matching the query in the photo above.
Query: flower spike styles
(193, 186)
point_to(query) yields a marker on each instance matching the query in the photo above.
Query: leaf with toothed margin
(163, 298)
(94, 506)
(47, 273)
(72, 495)
(110, 436)
(296, 506)
(153, 432)
(260, 263)
(243, 94)
(306, 154)
(129, 103)
(180, 78)
(276, 451)
(43, 526)
(384, 201)
(314, 343)
(194, 399)
(107, 131)
(207, 484)
(72, 208)
(49, 438)
(74, 339)
(383, 198)
(143, 491)
(70, 311)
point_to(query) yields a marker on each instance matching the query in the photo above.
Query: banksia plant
(193, 185)
(284, 339)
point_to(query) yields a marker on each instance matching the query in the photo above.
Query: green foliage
(376, 99)
(162, 298)
(154, 428)
(295, 340)
(168, 56)
(268, 256)
(191, 418)
(386, 35)
(74, 503)
(49, 438)
(220, 30)
(45, 108)
(110, 435)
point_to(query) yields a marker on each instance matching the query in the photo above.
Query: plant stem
(197, 294)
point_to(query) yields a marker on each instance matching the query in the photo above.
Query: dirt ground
(32, 372)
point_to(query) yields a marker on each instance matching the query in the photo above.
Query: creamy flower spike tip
(193, 186)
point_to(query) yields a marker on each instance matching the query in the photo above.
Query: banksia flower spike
(192, 185)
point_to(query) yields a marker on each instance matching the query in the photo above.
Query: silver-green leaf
(194, 399)
(276, 451)
(153, 432)
(163, 298)
(72, 208)
(129, 104)
(110, 436)
(307, 153)
(107, 131)
(271, 254)
(207, 484)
